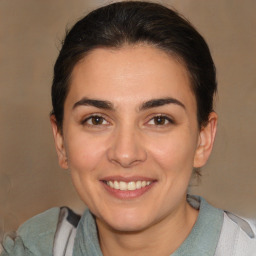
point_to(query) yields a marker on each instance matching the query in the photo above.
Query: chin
(126, 220)
(128, 226)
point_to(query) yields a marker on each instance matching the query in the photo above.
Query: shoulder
(238, 236)
(35, 236)
(40, 225)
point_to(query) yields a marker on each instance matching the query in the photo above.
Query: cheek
(85, 152)
(175, 152)
(85, 158)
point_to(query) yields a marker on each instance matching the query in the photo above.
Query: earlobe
(205, 141)
(59, 143)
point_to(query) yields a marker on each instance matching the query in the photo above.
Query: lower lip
(128, 194)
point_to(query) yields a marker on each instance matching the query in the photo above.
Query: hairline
(176, 57)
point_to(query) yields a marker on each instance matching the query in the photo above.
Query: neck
(162, 238)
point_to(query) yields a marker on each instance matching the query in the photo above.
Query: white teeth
(138, 184)
(123, 185)
(132, 185)
(116, 185)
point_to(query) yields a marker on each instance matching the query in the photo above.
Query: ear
(59, 143)
(205, 141)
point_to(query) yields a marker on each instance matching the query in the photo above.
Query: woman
(133, 120)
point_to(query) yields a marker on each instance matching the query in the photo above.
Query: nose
(126, 148)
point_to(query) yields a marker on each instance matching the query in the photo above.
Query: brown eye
(95, 120)
(160, 120)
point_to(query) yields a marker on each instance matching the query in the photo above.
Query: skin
(128, 142)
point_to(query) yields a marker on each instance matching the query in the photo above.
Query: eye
(160, 120)
(95, 120)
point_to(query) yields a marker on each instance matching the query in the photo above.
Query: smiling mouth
(128, 186)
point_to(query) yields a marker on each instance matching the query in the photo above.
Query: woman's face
(130, 135)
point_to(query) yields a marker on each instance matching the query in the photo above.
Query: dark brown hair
(133, 22)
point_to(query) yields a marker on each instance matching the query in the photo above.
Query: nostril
(126, 160)
(126, 148)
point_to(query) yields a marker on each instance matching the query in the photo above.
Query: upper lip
(127, 179)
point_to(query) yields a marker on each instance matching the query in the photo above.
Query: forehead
(139, 71)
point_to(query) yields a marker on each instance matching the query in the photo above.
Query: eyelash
(102, 120)
(163, 118)
(91, 118)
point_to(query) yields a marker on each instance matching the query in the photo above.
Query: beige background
(30, 35)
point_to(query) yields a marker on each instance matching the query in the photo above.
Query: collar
(202, 240)
(204, 236)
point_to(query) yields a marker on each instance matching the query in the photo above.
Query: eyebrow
(102, 104)
(107, 105)
(161, 102)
